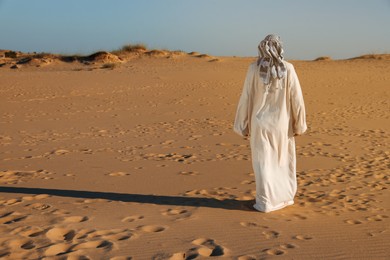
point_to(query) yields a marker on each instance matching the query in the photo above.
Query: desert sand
(135, 158)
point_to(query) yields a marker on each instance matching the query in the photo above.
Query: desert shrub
(42, 55)
(323, 58)
(133, 47)
(373, 56)
(10, 54)
(70, 58)
(193, 53)
(24, 60)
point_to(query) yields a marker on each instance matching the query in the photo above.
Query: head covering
(270, 60)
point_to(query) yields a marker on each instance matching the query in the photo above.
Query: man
(271, 112)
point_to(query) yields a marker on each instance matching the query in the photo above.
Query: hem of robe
(265, 208)
(300, 130)
(242, 133)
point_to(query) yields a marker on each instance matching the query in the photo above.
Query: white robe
(271, 120)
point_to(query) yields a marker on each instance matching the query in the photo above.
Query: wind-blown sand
(140, 161)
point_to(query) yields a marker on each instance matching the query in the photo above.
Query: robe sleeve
(297, 104)
(241, 122)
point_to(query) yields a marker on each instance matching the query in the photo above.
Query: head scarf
(270, 59)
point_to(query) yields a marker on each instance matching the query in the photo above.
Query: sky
(308, 28)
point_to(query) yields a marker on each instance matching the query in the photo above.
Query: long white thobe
(271, 117)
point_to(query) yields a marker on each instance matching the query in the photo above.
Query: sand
(139, 161)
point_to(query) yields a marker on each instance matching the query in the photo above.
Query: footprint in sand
(11, 217)
(275, 251)
(281, 250)
(132, 218)
(152, 228)
(177, 256)
(75, 219)
(194, 137)
(302, 237)
(86, 151)
(252, 225)
(60, 152)
(60, 234)
(57, 249)
(177, 213)
(353, 221)
(38, 206)
(189, 173)
(23, 243)
(288, 246)
(271, 234)
(12, 202)
(32, 232)
(118, 174)
(376, 233)
(121, 236)
(298, 216)
(377, 218)
(14, 177)
(104, 244)
(83, 233)
(167, 142)
(207, 248)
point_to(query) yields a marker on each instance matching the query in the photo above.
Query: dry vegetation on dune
(373, 57)
(134, 47)
(110, 60)
(130, 48)
(323, 58)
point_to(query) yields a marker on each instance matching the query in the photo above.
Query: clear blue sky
(308, 28)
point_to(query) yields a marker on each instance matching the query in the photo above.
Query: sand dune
(17, 60)
(140, 162)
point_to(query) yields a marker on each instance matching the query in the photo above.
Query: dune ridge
(15, 59)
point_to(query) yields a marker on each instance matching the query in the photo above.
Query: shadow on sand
(230, 204)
